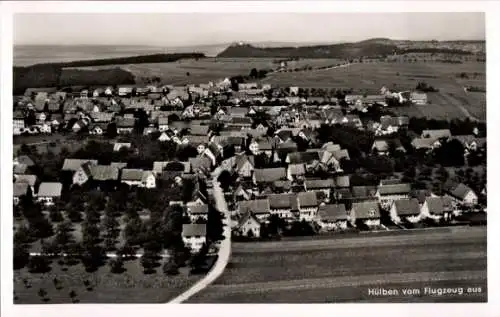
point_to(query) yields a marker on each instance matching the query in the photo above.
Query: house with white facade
(194, 236)
(332, 217)
(405, 210)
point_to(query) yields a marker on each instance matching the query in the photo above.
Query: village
(286, 169)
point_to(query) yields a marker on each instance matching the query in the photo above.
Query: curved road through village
(225, 246)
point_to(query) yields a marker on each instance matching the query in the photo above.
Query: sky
(190, 29)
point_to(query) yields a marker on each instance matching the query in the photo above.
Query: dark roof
(407, 207)
(303, 157)
(257, 206)
(268, 175)
(332, 212)
(439, 205)
(241, 120)
(130, 174)
(282, 201)
(104, 172)
(436, 134)
(363, 191)
(20, 189)
(366, 210)
(122, 122)
(394, 189)
(460, 191)
(307, 199)
(319, 183)
(191, 230)
(247, 216)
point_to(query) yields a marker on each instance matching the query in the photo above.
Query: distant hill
(373, 47)
(366, 48)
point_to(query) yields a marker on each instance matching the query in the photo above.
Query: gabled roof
(302, 157)
(194, 229)
(197, 209)
(74, 164)
(119, 165)
(282, 201)
(104, 172)
(200, 163)
(267, 175)
(312, 184)
(197, 139)
(284, 185)
(241, 160)
(131, 174)
(29, 179)
(460, 191)
(363, 191)
(422, 143)
(198, 129)
(146, 175)
(247, 216)
(102, 116)
(436, 134)
(380, 145)
(307, 199)
(20, 189)
(407, 207)
(331, 147)
(439, 205)
(158, 166)
(366, 209)
(467, 140)
(394, 189)
(122, 122)
(341, 154)
(332, 212)
(50, 189)
(342, 181)
(257, 206)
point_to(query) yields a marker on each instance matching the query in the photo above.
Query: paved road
(224, 250)
(343, 270)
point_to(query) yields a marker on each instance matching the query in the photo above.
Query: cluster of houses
(92, 110)
(344, 206)
(185, 116)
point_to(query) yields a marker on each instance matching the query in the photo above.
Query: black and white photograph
(247, 158)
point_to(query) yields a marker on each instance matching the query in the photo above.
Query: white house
(464, 195)
(332, 217)
(405, 210)
(248, 226)
(148, 180)
(132, 177)
(194, 236)
(367, 212)
(436, 208)
(49, 191)
(308, 205)
(386, 194)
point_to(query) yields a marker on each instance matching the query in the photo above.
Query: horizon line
(326, 42)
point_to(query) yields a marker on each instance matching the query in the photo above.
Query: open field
(200, 71)
(131, 286)
(450, 102)
(342, 270)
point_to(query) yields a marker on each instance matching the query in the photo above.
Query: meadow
(342, 269)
